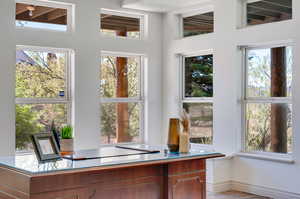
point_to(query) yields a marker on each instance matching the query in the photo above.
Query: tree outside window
(198, 96)
(42, 94)
(121, 98)
(268, 105)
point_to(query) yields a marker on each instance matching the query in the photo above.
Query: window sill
(275, 158)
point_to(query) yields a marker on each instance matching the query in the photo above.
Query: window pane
(120, 122)
(40, 74)
(37, 118)
(198, 24)
(34, 16)
(119, 76)
(270, 72)
(201, 115)
(267, 11)
(199, 76)
(114, 25)
(269, 127)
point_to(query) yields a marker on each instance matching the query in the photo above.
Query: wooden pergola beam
(256, 17)
(198, 28)
(58, 13)
(21, 8)
(41, 11)
(275, 9)
(252, 10)
(196, 21)
(282, 3)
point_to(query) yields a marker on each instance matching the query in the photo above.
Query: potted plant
(66, 143)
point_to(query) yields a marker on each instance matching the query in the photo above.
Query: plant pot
(66, 145)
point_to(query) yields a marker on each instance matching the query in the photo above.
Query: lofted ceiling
(160, 5)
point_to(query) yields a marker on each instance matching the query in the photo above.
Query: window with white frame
(121, 24)
(267, 99)
(197, 96)
(267, 11)
(43, 15)
(121, 103)
(201, 22)
(42, 92)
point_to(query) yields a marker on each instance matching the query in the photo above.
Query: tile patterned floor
(234, 195)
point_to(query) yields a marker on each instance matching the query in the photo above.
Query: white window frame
(203, 10)
(140, 99)
(67, 100)
(52, 4)
(183, 98)
(141, 17)
(257, 100)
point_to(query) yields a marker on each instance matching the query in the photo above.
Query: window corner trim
(288, 159)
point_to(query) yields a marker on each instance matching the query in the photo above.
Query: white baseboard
(264, 191)
(253, 189)
(219, 187)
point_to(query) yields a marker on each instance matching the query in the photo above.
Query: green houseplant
(67, 142)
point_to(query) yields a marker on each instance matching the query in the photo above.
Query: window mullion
(269, 100)
(41, 101)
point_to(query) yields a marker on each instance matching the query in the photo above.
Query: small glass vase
(174, 130)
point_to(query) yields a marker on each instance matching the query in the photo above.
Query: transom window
(117, 24)
(42, 92)
(197, 96)
(267, 102)
(43, 15)
(198, 24)
(122, 101)
(267, 11)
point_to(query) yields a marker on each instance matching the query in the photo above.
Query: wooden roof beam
(41, 11)
(256, 11)
(119, 28)
(21, 8)
(57, 14)
(274, 9)
(282, 3)
(120, 23)
(201, 17)
(198, 23)
(256, 17)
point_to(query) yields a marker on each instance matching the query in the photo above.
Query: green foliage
(45, 79)
(199, 76)
(67, 132)
(26, 125)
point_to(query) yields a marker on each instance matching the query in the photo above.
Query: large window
(121, 94)
(42, 92)
(267, 100)
(116, 24)
(197, 94)
(198, 24)
(267, 11)
(43, 15)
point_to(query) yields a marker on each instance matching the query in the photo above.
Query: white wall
(87, 44)
(227, 85)
(7, 41)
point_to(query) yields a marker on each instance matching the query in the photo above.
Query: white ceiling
(161, 5)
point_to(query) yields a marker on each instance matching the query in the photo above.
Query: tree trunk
(278, 111)
(122, 91)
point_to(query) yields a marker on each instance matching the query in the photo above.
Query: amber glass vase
(174, 130)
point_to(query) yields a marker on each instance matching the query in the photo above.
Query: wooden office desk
(147, 176)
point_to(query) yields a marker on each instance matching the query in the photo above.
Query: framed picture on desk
(45, 147)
